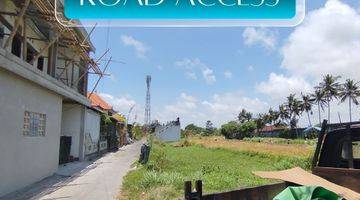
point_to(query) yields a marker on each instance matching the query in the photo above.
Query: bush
(235, 130)
(158, 159)
(286, 134)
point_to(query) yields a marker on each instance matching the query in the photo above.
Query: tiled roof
(97, 101)
(271, 128)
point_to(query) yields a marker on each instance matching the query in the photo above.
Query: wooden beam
(17, 23)
(46, 47)
(101, 76)
(24, 40)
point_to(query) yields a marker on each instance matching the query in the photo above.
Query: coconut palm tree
(350, 90)
(273, 116)
(319, 98)
(244, 116)
(306, 105)
(260, 122)
(283, 113)
(331, 87)
(294, 108)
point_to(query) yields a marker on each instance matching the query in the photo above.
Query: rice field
(221, 164)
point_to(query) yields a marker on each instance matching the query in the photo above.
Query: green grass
(219, 169)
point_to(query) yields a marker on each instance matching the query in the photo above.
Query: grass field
(220, 163)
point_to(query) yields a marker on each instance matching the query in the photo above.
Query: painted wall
(92, 131)
(168, 133)
(23, 159)
(71, 126)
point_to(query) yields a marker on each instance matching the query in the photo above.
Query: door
(65, 147)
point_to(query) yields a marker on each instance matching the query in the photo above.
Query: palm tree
(350, 90)
(294, 108)
(260, 122)
(283, 113)
(273, 116)
(331, 88)
(306, 105)
(244, 116)
(319, 98)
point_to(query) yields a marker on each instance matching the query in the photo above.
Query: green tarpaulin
(307, 193)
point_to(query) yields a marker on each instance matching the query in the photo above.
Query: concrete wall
(168, 133)
(92, 131)
(71, 126)
(23, 159)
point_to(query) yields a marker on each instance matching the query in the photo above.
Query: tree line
(288, 113)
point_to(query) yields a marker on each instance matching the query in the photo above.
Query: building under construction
(44, 69)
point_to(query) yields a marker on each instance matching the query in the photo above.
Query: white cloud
(121, 104)
(250, 68)
(189, 64)
(140, 48)
(191, 75)
(159, 67)
(328, 41)
(219, 109)
(228, 74)
(209, 76)
(192, 66)
(262, 36)
(278, 87)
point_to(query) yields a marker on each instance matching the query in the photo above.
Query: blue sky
(211, 73)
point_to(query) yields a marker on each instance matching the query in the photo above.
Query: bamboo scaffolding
(17, 23)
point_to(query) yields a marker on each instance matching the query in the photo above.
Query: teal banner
(181, 9)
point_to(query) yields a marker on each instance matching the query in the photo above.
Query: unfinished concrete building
(44, 70)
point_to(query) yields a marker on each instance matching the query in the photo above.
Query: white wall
(71, 126)
(168, 133)
(25, 160)
(92, 128)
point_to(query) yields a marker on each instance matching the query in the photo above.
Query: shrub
(286, 133)
(158, 159)
(235, 130)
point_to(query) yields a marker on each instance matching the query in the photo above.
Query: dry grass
(300, 150)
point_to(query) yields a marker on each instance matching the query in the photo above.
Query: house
(271, 131)
(110, 123)
(169, 132)
(45, 116)
(121, 128)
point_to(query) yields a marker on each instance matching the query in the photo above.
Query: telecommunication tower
(148, 105)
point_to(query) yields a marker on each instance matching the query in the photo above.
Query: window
(16, 46)
(40, 63)
(34, 124)
(30, 53)
(356, 150)
(2, 35)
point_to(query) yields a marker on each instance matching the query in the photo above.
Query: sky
(201, 74)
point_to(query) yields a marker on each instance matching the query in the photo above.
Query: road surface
(100, 179)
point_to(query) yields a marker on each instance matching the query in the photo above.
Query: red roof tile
(270, 128)
(97, 101)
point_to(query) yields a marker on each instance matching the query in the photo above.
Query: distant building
(112, 125)
(271, 131)
(169, 132)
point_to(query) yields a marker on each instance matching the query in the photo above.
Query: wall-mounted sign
(187, 12)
